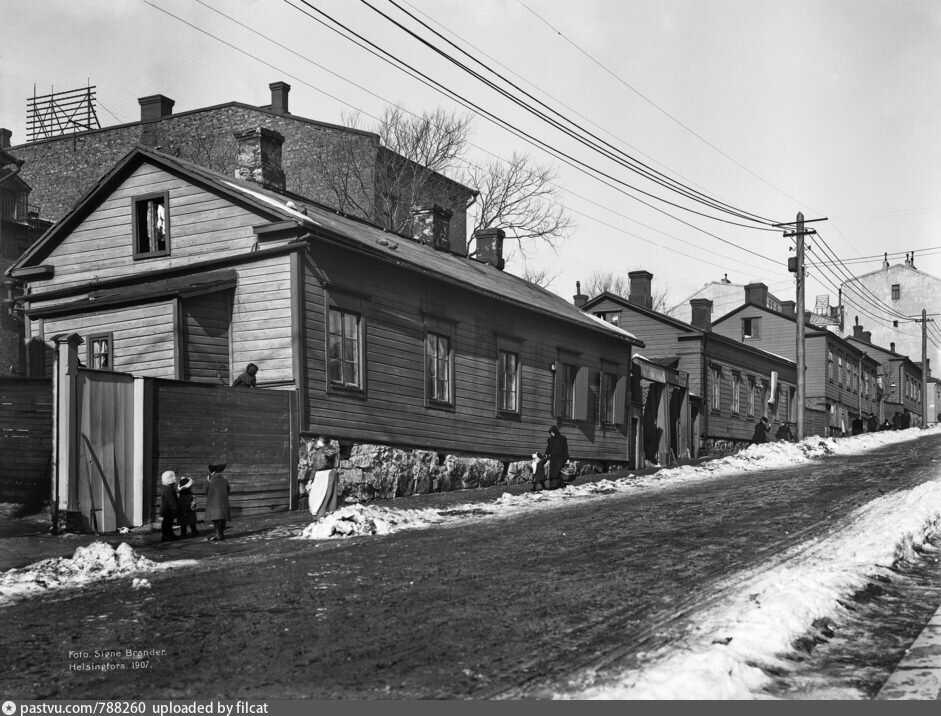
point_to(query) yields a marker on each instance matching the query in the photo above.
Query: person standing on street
(169, 506)
(322, 487)
(557, 454)
(761, 432)
(217, 501)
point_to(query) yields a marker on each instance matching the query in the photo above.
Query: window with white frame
(751, 328)
(736, 393)
(344, 349)
(439, 387)
(716, 389)
(151, 225)
(749, 398)
(99, 352)
(508, 381)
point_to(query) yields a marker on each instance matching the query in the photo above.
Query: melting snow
(98, 561)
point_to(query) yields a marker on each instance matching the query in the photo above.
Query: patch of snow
(370, 519)
(96, 562)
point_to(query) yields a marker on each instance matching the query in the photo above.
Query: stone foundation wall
(376, 472)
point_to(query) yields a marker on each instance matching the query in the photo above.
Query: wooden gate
(105, 488)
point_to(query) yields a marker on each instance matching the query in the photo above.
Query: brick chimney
(579, 299)
(858, 332)
(866, 336)
(431, 224)
(639, 291)
(757, 294)
(279, 97)
(258, 158)
(489, 244)
(155, 107)
(6, 136)
(892, 346)
(702, 314)
(789, 308)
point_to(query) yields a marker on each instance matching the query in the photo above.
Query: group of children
(178, 504)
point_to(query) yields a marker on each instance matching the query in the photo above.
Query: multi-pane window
(151, 226)
(736, 393)
(438, 367)
(829, 365)
(716, 404)
(896, 292)
(567, 400)
(756, 406)
(508, 377)
(609, 316)
(608, 391)
(750, 397)
(751, 328)
(99, 352)
(839, 364)
(344, 354)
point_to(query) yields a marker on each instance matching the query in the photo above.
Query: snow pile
(761, 613)
(370, 519)
(98, 561)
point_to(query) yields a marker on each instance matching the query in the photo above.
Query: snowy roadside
(97, 562)
(373, 519)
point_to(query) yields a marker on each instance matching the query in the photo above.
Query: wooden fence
(252, 432)
(25, 440)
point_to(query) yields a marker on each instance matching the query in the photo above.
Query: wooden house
(899, 378)
(168, 269)
(840, 377)
(730, 386)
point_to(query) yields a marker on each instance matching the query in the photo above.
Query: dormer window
(151, 225)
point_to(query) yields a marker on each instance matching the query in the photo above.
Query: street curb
(918, 675)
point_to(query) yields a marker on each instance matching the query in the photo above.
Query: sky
(753, 619)
(825, 107)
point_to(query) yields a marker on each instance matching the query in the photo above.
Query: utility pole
(924, 320)
(796, 266)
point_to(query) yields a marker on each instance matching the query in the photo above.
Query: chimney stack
(6, 137)
(639, 291)
(259, 157)
(885, 261)
(431, 224)
(858, 332)
(702, 314)
(866, 336)
(757, 294)
(279, 97)
(489, 249)
(789, 308)
(155, 107)
(579, 299)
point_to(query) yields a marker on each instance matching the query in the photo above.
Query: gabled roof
(893, 267)
(322, 223)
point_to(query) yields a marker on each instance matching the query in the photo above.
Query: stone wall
(377, 472)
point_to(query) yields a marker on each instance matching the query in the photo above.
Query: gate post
(65, 423)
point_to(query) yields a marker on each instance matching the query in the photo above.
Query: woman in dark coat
(217, 501)
(169, 506)
(557, 453)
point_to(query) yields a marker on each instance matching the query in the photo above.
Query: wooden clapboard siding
(261, 320)
(204, 326)
(248, 430)
(393, 410)
(777, 332)
(25, 440)
(142, 336)
(102, 245)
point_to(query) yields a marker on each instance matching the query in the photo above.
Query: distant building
(906, 290)
(899, 378)
(725, 296)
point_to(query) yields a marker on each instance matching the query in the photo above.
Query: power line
(655, 105)
(573, 130)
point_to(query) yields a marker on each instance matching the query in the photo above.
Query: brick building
(333, 165)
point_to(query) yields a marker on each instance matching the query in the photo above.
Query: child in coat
(169, 506)
(187, 502)
(217, 501)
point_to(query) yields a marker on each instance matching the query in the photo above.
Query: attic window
(151, 225)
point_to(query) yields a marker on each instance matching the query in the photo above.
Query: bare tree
(539, 277)
(521, 198)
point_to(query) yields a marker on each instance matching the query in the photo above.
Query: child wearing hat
(187, 502)
(169, 506)
(217, 501)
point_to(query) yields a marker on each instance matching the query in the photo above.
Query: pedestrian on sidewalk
(187, 502)
(217, 501)
(557, 453)
(322, 486)
(761, 432)
(169, 506)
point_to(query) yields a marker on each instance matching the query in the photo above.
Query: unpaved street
(506, 607)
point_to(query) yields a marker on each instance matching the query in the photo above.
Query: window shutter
(582, 393)
(620, 400)
(557, 391)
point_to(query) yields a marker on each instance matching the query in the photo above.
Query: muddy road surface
(506, 607)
